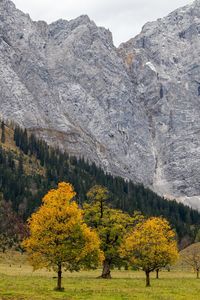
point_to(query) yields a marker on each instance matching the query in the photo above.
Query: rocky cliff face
(164, 66)
(133, 110)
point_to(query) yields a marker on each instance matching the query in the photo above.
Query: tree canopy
(151, 245)
(111, 225)
(59, 238)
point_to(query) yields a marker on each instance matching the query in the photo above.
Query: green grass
(20, 283)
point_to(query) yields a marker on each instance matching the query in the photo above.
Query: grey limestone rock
(133, 110)
(164, 65)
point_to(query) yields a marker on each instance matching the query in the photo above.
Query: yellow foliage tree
(59, 238)
(151, 246)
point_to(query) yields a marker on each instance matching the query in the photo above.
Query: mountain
(133, 110)
(164, 66)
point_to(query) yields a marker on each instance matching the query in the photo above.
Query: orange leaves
(151, 245)
(58, 233)
(64, 194)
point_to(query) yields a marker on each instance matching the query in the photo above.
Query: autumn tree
(191, 256)
(150, 246)
(110, 224)
(59, 238)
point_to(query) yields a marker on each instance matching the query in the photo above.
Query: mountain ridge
(116, 106)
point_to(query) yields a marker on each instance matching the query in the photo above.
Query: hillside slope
(29, 168)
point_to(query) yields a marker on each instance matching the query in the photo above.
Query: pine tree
(20, 165)
(3, 137)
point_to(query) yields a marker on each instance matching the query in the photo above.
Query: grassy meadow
(19, 282)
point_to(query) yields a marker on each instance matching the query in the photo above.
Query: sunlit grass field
(19, 282)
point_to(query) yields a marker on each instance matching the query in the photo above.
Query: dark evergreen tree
(3, 135)
(20, 165)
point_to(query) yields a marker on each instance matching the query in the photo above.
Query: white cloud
(124, 18)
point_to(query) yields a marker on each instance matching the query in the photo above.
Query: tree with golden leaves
(151, 246)
(191, 256)
(59, 238)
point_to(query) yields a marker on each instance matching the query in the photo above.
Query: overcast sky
(124, 18)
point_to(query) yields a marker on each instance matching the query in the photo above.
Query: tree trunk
(157, 273)
(197, 273)
(106, 270)
(147, 278)
(59, 285)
